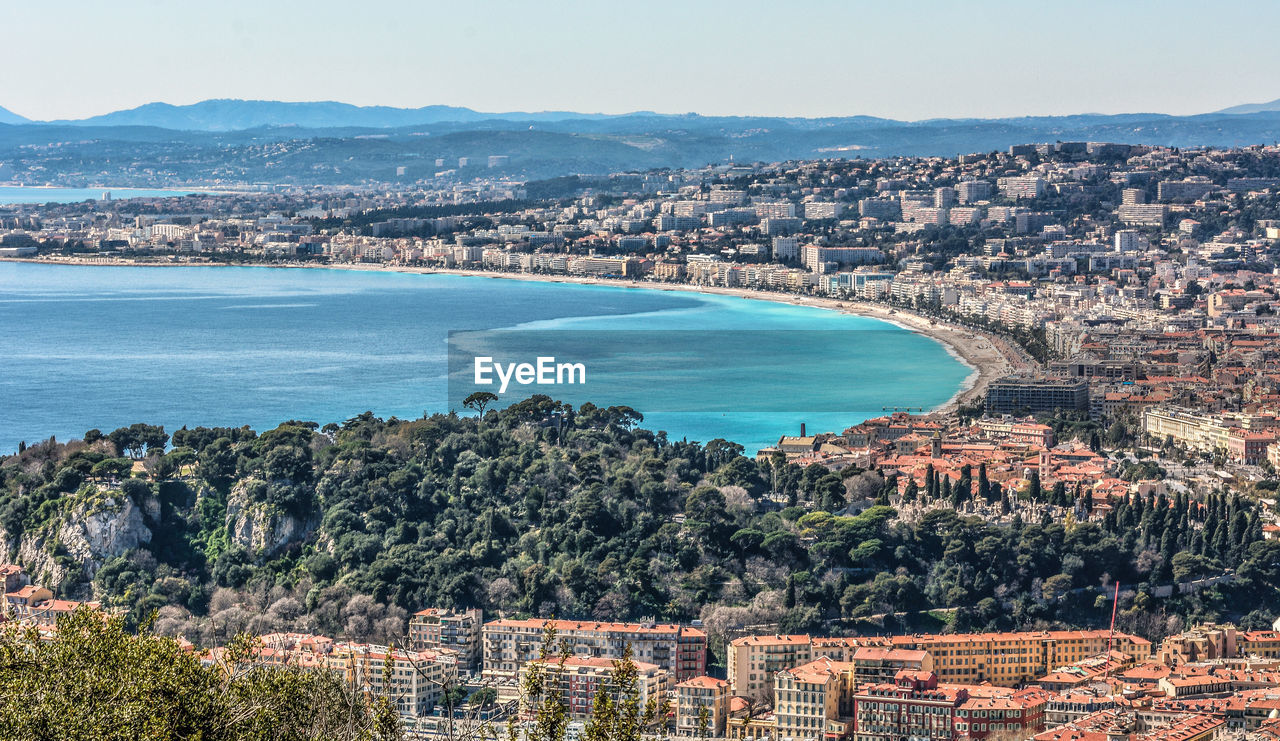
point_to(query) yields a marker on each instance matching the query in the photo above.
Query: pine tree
(542, 691)
(616, 714)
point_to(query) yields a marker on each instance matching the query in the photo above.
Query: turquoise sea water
(10, 195)
(86, 347)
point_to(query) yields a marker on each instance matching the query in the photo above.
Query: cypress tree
(964, 489)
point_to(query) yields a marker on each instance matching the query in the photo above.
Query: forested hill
(541, 509)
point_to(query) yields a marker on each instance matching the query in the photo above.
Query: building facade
(681, 650)
(460, 632)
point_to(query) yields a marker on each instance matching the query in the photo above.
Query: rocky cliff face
(7, 544)
(96, 527)
(261, 529)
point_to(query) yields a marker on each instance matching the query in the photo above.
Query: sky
(897, 58)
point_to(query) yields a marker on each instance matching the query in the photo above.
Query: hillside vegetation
(541, 509)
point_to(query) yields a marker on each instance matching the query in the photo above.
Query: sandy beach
(989, 357)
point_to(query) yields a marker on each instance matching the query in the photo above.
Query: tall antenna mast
(1115, 601)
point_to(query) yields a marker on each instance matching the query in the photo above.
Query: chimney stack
(802, 429)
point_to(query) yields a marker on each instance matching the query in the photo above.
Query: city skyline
(746, 58)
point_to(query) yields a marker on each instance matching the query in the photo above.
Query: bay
(11, 195)
(86, 347)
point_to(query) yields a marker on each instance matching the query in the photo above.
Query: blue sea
(10, 195)
(85, 347)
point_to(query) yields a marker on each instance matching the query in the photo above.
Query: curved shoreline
(982, 353)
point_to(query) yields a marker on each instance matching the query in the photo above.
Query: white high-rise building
(972, 191)
(786, 248)
(1131, 240)
(1024, 186)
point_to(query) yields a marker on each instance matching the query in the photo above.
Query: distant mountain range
(9, 117)
(237, 115)
(1253, 107)
(226, 114)
(222, 141)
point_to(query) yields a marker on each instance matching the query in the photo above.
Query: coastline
(988, 357)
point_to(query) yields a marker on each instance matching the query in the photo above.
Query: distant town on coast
(712, 371)
(1115, 302)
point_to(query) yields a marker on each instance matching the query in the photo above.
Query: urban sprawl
(1118, 302)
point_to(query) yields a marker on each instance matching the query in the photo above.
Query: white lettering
(505, 378)
(570, 369)
(545, 366)
(484, 366)
(546, 372)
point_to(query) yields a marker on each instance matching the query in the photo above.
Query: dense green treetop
(541, 509)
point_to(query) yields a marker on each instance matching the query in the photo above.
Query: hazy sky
(897, 58)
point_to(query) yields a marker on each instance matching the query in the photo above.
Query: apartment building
(1188, 189)
(20, 602)
(578, 679)
(912, 706)
(623, 267)
(752, 661)
(1242, 437)
(1019, 431)
(916, 706)
(1002, 659)
(1143, 214)
(814, 701)
(1011, 659)
(786, 248)
(879, 208)
(1131, 240)
(814, 256)
(413, 681)
(972, 191)
(436, 628)
(1212, 641)
(1264, 643)
(876, 664)
(509, 644)
(1131, 196)
(776, 225)
(1037, 394)
(776, 210)
(817, 210)
(12, 578)
(1095, 369)
(698, 696)
(1024, 186)
(669, 270)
